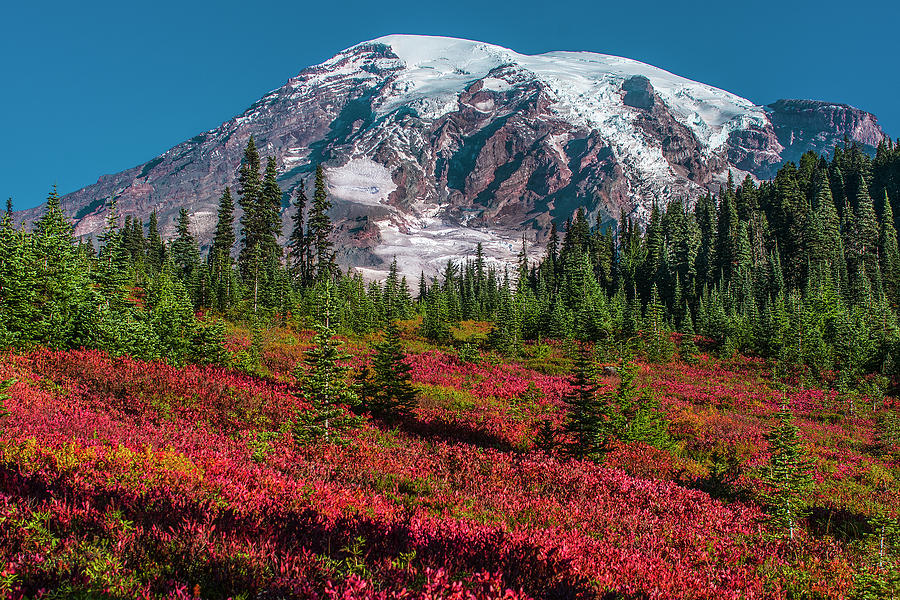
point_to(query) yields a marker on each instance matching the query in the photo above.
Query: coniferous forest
(702, 406)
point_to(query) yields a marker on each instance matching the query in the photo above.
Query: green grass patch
(439, 396)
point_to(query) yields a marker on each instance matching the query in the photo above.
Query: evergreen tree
(135, 244)
(436, 317)
(865, 230)
(505, 336)
(659, 338)
(688, 348)
(628, 415)
(545, 437)
(392, 297)
(111, 273)
(156, 250)
(552, 248)
(219, 261)
(270, 207)
(583, 417)
(387, 391)
(885, 537)
(171, 315)
(298, 240)
(58, 277)
(786, 476)
(18, 305)
(423, 288)
(706, 218)
(888, 252)
(207, 343)
(655, 246)
(727, 232)
(325, 386)
(828, 220)
(319, 228)
(250, 199)
(789, 212)
(185, 254)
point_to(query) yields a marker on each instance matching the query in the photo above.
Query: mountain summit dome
(433, 144)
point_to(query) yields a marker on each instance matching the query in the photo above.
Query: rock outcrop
(803, 125)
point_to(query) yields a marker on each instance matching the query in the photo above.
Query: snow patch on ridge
(492, 84)
(362, 180)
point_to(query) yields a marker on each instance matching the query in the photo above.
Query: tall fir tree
(583, 418)
(185, 253)
(271, 228)
(253, 219)
(298, 240)
(659, 338)
(865, 230)
(58, 277)
(319, 228)
(888, 251)
(688, 348)
(156, 249)
(630, 414)
(219, 261)
(111, 273)
(18, 306)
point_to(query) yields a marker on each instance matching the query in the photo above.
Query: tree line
(803, 269)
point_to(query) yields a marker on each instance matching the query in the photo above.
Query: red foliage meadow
(120, 478)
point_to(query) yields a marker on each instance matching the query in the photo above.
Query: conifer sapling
(325, 386)
(786, 475)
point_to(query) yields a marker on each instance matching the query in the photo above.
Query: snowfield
(587, 85)
(362, 181)
(425, 247)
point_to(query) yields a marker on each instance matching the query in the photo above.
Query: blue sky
(97, 87)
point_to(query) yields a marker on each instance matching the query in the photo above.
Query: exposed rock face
(755, 149)
(638, 92)
(803, 125)
(434, 144)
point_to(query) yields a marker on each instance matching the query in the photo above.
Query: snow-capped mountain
(432, 144)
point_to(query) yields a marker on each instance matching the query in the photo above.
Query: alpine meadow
(440, 320)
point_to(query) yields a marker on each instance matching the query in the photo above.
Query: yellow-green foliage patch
(439, 396)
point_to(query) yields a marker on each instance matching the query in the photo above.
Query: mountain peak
(432, 144)
(414, 47)
(583, 83)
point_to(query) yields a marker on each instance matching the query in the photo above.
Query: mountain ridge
(433, 144)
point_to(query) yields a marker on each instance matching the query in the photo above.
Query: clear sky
(88, 88)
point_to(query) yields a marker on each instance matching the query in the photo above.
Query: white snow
(493, 84)
(430, 242)
(556, 142)
(587, 85)
(294, 156)
(484, 105)
(361, 180)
